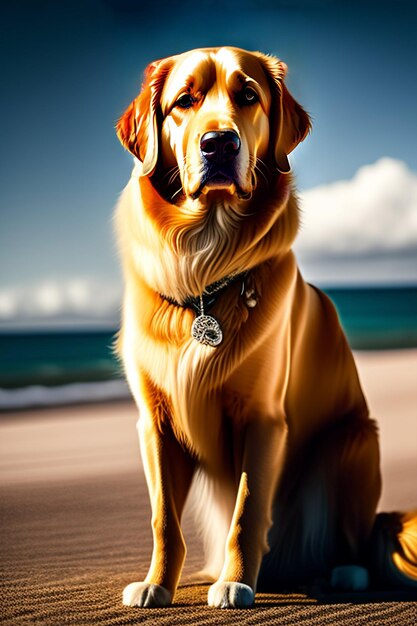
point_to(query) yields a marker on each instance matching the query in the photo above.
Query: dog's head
(213, 123)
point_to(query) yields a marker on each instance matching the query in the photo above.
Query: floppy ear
(137, 129)
(289, 122)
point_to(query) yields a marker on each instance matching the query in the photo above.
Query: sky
(71, 68)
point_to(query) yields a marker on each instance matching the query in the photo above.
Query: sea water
(65, 366)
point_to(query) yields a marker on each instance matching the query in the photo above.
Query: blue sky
(71, 68)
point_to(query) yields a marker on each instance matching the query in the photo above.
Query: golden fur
(271, 425)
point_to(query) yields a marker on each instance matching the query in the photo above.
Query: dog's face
(213, 123)
(215, 109)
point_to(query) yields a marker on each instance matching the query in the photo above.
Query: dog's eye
(249, 96)
(185, 101)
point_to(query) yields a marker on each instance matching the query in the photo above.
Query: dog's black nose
(220, 146)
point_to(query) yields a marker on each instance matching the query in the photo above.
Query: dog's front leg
(169, 471)
(262, 461)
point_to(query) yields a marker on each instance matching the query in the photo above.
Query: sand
(76, 519)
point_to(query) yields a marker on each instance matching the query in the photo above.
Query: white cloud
(49, 298)
(79, 299)
(8, 304)
(363, 229)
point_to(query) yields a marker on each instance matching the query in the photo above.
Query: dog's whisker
(169, 172)
(258, 165)
(263, 164)
(176, 193)
(173, 177)
(258, 169)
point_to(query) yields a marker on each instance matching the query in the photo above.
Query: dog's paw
(350, 578)
(146, 595)
(229, 595)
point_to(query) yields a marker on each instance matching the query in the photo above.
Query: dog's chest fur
(201, 385)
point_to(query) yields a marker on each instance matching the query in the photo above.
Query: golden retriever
(244, 380)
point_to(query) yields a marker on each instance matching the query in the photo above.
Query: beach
(76, 517)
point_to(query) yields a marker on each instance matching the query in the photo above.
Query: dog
(244, 380)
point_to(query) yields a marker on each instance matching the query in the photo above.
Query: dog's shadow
(196, 594)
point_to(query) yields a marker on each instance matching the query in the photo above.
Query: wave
(36, 396)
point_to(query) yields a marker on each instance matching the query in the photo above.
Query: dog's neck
(206, 329)
(210, 294)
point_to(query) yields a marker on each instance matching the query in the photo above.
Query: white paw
(146, 594)
(350, 578)
(225, 595)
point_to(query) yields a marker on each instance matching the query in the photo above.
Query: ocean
(66, 366)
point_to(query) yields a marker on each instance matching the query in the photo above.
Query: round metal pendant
(207, 331)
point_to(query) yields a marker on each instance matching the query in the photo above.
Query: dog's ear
(289, 122)
(137, 129)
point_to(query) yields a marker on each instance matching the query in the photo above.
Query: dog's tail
(393, 550)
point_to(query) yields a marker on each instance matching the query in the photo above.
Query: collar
(210, 294)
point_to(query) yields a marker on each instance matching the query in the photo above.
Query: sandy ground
(75, 512)
(88, 440)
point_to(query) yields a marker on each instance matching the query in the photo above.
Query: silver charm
(206, 329)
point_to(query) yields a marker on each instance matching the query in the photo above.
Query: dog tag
(207, 331)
